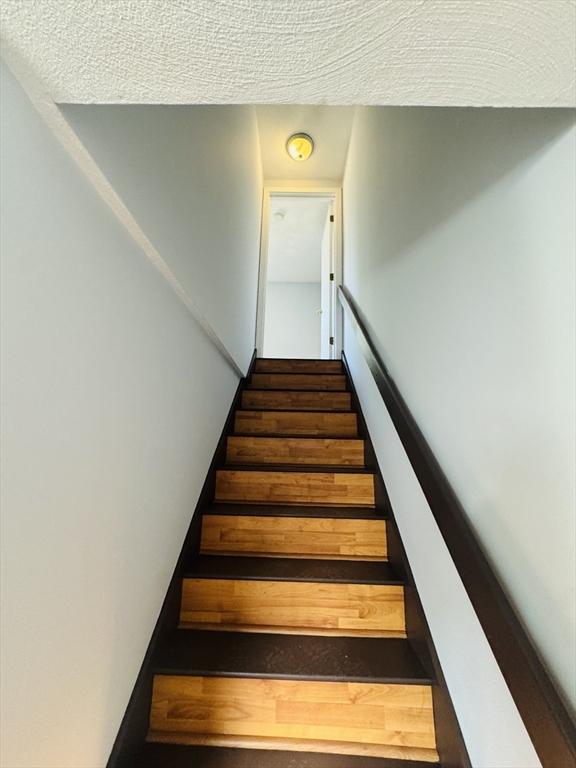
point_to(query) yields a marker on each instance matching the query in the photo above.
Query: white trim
(64, 133)
(301, 189)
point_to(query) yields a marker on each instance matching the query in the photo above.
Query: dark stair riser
(278, 510)
(292, 569)
(174, 756)
(290, 657)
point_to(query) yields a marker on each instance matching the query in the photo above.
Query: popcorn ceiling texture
(406, 52)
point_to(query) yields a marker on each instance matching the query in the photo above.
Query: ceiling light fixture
(300, 146)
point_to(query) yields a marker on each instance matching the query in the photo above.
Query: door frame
(296, 189)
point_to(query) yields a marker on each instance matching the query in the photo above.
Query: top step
(277, 365)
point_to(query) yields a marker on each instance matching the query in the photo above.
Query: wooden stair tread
(280, 510)
(294, 400)
(379, 719)
(374, 610)
(293, 412)
(304, 657)
(346, 439)
(326, 382)
(317, 485)
(295, 451)
(297, 435)
(290, 569)
(294, 365)
(302, 536)
(287, 422)
(158, 755)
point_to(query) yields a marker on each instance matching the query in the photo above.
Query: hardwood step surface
(293, 569)
(304, 657)
(295, 450)
(339, 717)
(318, 488)
(363, 539)
(312, 423)
(281, 365)
(295, 400)
(157, 755)
(310, 381)
(375, 610)
(291, 650)
(290, 510)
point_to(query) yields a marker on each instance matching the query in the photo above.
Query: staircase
(292, 648)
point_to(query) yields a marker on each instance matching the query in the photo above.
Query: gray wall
(459, 249)
(191, 178)
(292, 322)
(112, 403)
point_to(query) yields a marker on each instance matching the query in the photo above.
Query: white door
(327, 287)
(296, 292)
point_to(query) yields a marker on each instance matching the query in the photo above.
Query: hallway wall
(493, 731)
(113, 400)
(459, 249)
(191, 176)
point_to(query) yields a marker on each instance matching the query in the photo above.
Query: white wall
(491, 726)
(292, 322)
(112, 403)
(191, 177)
(459, 249)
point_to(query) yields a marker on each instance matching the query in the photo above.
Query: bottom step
(178, 756)
(365, 719)
(395, 756)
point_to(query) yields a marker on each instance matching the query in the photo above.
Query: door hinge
(332, 276)
(331, 218)
(331, 339)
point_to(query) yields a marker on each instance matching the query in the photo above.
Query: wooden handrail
(545, 716)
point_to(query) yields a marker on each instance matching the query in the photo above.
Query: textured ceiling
(295, 238)
(403, 52)
(329, 127)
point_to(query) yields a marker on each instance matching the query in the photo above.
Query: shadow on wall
(459, 249)
(435, 173)
(190, 175)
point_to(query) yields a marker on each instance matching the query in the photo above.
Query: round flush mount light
(300, 146)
